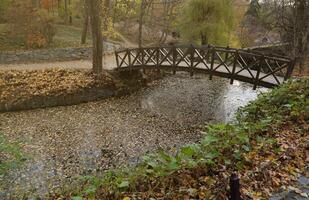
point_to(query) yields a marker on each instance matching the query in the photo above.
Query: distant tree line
(289, 18)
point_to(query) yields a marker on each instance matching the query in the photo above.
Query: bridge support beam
(290, 69)
(174, 55)
(142, 53)
(191, 59)
(213, 57)
(256, 82)
(234, 67)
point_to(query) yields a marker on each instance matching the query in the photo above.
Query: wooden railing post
(234, 187)
(234, 66)
(157, 58)
(257, 77)
(290, 69)
(227, 54)
(174, 52)
(143, 59)
(117, 59)
(191, 49)
(208, 52)
(213, 55)
(129, 57)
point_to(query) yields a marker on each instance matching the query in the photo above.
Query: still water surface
(90, 138)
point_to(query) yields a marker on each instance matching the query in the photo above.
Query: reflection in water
(234, 97)
(196, 100)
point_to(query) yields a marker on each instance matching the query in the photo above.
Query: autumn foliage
(32, 25)
(46, 4)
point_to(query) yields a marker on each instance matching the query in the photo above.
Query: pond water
(196, 100)
(65, 142)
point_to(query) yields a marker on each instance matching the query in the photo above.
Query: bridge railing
(239, 64)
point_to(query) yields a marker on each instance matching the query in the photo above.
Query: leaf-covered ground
(25, 84)
(21, 87)
(267, 146)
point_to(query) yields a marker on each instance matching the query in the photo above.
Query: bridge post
(234, 66)
(191, 49)
(129, 57)
(256, 82)
(213, 55)
(117, 59)
(209, 47)
(143, 59)
(157, 49)
(290, 69)
(234, 187)
(174, 54)
(227, 54)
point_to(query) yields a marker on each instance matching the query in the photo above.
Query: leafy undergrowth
(17, 86)
(11, 157)
(267, 146)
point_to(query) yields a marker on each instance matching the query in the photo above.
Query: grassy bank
(267, 146)
(66, 36)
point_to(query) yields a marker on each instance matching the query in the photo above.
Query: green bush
(287, 103)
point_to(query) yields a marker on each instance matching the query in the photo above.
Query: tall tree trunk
(52, 7)
(115, 4)
(204, 40)
(95, 21)
(165, 23)
(107, 12)
(70, 15)
(66, 14)
(140, 23)
(59, 6)
(85, 25)
(302, 30)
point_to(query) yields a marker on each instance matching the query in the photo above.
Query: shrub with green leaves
(289, 102)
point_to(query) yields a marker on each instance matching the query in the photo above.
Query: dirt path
(109, 63)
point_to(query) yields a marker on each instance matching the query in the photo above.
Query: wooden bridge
(235, 64)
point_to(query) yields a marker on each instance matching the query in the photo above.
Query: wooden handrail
(236, 64)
